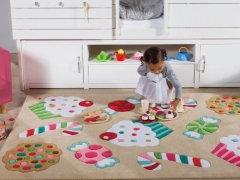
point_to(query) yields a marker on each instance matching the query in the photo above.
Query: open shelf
(172, 50)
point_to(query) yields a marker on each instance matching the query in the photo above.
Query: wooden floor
(14, 107)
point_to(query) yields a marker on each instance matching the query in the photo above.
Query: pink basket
(5, 76)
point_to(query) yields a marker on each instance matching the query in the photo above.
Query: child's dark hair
(153, 55)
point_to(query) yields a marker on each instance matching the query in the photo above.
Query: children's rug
(199, 144)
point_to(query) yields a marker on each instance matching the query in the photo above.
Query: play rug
(199, 144)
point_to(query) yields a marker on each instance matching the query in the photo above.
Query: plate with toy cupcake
(148, 117)
(166, 115)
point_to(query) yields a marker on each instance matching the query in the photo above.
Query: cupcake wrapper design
(148, 160)
(160, 130)
(229, 149)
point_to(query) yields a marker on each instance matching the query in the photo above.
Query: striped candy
(147, 160)
(74, 128)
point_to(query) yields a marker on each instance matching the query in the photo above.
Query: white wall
(6, 39)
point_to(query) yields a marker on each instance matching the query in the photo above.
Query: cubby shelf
(133, 61)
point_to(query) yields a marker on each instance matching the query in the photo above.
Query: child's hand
(175, 104)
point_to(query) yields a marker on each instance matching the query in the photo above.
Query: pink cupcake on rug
(138, 55)
(229, 149)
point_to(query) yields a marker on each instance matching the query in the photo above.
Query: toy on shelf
(96, 117)
(167, 115)
(138, 55)
(120, 55)
(169, 58)
(103, 57)
(183, 55)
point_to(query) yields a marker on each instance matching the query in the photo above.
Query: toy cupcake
(151, 116)
(161, 114)
(145, 117)
(138, 55)
(228, 149)
(169, 115)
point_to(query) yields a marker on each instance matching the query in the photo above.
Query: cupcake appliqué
(229, 149)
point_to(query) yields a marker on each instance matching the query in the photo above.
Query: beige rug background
(128, 168)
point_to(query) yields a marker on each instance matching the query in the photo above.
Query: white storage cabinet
(52, 64)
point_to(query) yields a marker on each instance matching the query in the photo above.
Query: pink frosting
(138, 54)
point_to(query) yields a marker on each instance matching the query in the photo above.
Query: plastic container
(3, 134)
(120, 57)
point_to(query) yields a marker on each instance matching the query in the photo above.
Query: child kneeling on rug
(158, 80)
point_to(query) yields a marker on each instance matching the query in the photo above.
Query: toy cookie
(28, 157)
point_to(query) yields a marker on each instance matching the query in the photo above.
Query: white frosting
(127, 128)
(151, 117)
(232, 143)
(144, 117)
(63, 105)
(169, 116)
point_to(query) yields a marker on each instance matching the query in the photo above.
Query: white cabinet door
(52, 64)
(222, 65)
(185, 73)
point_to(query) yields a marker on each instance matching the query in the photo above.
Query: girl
(157, 78)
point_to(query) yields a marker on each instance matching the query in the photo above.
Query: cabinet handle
(37, 4)
(61, 4)
(79, 65)
(204, 64)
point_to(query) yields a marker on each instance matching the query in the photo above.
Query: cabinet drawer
(97, 13)
(204, 15)
(184, 72)
(113, 74)
(61, 24)
(57, 3)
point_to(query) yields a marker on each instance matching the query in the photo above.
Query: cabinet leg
(3, 108)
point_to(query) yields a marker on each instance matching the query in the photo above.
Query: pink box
(5, 76)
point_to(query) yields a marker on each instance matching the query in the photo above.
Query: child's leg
(138, 96)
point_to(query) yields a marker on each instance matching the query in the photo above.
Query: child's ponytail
(141, 59)
(164, 53)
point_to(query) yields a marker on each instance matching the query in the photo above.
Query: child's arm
(172, 77)
(143, 70)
